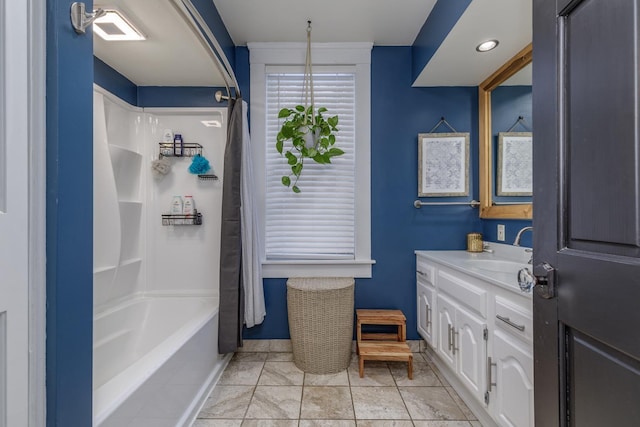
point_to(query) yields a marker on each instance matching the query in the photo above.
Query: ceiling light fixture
(114, 26)
(211, 123)
(488, 45)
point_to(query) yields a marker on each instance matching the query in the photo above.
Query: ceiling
(383, 22)
(173, 56)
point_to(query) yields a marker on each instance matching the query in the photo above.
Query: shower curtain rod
(222, 64)
(219, 96)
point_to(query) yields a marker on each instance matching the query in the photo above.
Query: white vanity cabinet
(426, 299)
(446, 323)
(479, 333)
(426, 312)
(513, 402)
(461, 344)
(512, 362)
(462, 310)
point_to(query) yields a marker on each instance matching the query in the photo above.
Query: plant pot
(310, 139)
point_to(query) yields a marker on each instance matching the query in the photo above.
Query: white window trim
(262, 55)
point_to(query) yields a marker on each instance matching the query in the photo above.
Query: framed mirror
(489, 206)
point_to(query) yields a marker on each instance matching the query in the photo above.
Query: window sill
(317, 268)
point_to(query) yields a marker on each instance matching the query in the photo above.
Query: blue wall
(511, 227)
(507, 104)
(441, 20)
(209, 13)
(154, 96)
(69, 106)
(179, 96)
(398, 113)
(111, 80)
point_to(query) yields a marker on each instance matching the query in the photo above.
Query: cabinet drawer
(425, 272)
(463, 291)
(514, 318)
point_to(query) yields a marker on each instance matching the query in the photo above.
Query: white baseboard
(284, 345)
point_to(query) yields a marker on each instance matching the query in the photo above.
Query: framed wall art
(443, 164)
(514, 174)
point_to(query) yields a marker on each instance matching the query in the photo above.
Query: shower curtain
(241, 290)
(231, 292)
(254, 309)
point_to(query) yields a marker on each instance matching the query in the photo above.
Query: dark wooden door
(587, 211)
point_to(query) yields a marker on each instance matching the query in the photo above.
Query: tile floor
(262, 387)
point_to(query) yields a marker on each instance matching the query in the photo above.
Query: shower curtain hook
(80, 19)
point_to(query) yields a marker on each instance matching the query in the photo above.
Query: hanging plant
(311, 135)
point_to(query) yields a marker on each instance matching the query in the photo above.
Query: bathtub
(155, 360)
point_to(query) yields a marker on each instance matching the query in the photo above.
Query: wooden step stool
(383, 346)
(381, 317)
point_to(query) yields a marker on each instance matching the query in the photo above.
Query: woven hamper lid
(320, 283)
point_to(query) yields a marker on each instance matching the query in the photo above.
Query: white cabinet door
(513, 405)
(472, 351)
(426, 313)
(446, 324)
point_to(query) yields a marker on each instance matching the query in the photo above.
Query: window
(325, 230)
(319, 222)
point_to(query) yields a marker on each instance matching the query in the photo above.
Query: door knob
(542, 280)
(526, 280)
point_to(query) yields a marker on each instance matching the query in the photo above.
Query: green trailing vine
(301, 125)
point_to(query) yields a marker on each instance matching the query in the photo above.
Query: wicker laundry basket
(321, 323)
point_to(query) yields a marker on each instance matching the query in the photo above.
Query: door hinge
(486, 398)
(485, 334)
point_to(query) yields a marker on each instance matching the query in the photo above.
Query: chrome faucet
(516, 242)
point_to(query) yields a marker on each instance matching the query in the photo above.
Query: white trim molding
(3, 139)
(37, 35)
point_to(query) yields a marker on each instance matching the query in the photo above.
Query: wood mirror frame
(487, 208)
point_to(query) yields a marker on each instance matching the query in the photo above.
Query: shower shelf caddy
(208, 177)
(189, 149)
(172, 219)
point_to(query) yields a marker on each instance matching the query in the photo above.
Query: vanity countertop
(500, 267)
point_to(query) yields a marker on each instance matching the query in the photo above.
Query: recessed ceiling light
(114, 26)
(488, 45)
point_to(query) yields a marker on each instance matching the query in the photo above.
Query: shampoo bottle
(167, 139)
(188, 209)
(178, 145)
(176, 208)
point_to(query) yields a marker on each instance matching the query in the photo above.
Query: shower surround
(155, 287)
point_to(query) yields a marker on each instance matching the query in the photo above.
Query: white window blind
(319, 222)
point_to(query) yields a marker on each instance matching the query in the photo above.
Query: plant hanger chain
(311, 135)
(307, 83)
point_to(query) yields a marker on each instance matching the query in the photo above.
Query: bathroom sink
(495, 265)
